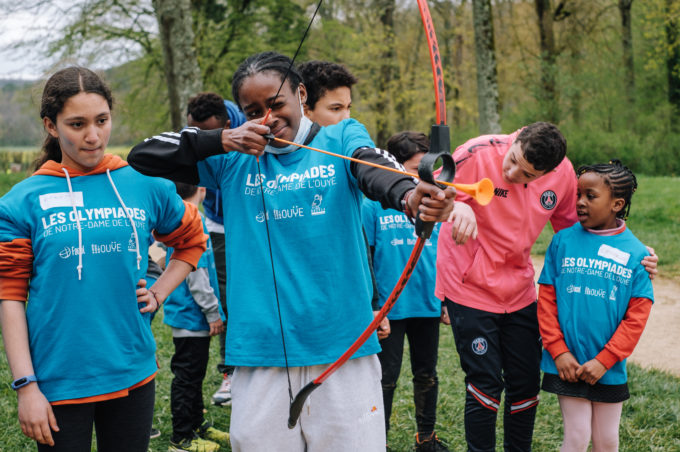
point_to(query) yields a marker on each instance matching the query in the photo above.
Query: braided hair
(264, 62)
(620, 180)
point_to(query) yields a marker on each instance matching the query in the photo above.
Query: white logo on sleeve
(63, 199)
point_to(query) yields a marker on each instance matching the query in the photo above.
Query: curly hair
(543, 145)
(404, 145)
(204, 105)
(322, 76)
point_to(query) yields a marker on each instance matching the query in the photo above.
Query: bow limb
(298, 402)
(440, 146)
(439, 150)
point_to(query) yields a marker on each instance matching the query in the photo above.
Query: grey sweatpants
(344, 414)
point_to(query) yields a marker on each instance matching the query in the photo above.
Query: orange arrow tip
(482, 190)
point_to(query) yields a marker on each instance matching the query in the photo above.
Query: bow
(439, 150)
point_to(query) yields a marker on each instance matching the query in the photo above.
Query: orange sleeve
(548, 322)
(188, 240)
(16, 265)
(628, 333)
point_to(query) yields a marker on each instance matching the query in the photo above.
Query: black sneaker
(430, 444)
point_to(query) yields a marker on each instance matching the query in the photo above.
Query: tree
(627, 45)
(549, 95)
(159, 34)
(487, 78)
(182, 73)
(673, 61)
(387, 70)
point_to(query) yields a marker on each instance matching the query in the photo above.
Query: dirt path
(659, 346)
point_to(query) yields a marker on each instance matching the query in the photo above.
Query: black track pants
(188, 365)
(498, 352)
(423, 339)
(122, 424)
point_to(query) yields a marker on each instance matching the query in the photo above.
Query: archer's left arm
(430, 201)
(380, 185)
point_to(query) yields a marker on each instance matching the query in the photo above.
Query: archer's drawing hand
(248, 138)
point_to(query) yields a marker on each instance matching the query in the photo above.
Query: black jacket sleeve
(174, 155)
(377, 184)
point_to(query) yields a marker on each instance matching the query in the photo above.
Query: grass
(650, 421)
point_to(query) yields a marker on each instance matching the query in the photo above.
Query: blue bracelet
(23, 381)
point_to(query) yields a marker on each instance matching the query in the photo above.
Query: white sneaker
(223, 395)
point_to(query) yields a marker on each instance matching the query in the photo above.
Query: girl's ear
(617, 204)
(50, 127)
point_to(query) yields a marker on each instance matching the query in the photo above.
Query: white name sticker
(63, 199)
(614, 254)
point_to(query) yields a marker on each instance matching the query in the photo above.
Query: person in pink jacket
(486, 279)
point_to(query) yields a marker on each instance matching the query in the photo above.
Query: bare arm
(175, 272)
(35, 413)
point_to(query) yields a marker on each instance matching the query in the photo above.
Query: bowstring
(264, 204)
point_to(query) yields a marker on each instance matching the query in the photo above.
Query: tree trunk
(673, 66)
(487, 79)
(627, 43)
(182, 73)
(387, 69)
(576, 64)
(548, 93)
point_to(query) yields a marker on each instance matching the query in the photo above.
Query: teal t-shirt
(594, 278)
(87, 337)
(393, 236)
(314, 218)
(180, 309)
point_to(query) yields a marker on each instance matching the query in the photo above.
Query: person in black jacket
(298, 286)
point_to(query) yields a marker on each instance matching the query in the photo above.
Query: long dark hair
(59, 88)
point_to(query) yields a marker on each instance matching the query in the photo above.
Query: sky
(23, 63)
(23, 26)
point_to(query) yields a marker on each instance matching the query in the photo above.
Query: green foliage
(595, 114)
(228, 32)
(19, 120)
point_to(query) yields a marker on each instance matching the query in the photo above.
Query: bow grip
(440, 148)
